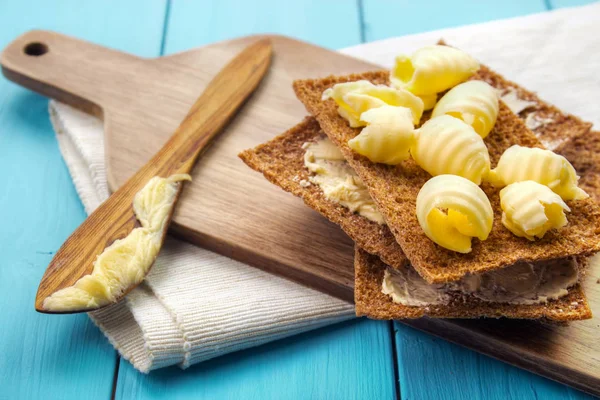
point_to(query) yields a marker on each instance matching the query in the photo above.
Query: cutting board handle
(67, 69)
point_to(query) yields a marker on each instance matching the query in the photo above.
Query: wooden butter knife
(114, 219)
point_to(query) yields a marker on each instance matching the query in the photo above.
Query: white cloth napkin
(194, 304)
(184, 313)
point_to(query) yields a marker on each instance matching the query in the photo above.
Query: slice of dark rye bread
(281, 161)
(372, 302)
(395, 189)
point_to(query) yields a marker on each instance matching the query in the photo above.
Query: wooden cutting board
(234, 210)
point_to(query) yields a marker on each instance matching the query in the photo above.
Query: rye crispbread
(395, 189)
(372, 302)
(281, 161)
(560, 126)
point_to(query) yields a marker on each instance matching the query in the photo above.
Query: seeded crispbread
(281, 161)
(395, 189)
(372, 302)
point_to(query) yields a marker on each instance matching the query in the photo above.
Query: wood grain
(432, 368)
(114, 219)
(143, 101)
(45, 357)
(337, 362)
(246, 218)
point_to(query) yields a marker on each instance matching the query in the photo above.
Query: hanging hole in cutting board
(35, 49)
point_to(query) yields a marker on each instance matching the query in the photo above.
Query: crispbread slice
(372, 302)
(395, 189)
(550, 125)
(281, 161)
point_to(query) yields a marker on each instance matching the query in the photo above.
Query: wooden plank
(312, 365)
(145, 100)
(339, 362)
(383, 18)
(266, 218)
(47, 356)
(114, 218)
(554, 4)
(332, 23)
(431, 368)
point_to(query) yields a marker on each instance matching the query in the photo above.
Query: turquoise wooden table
(67, 357)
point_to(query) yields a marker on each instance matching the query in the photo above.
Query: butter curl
(530, 209)
(452, 210)
(447, 145)
(519, 164)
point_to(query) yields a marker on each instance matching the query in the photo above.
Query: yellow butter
(452, 210)
(354, 98)
(447, 145)
(530, 209)
(474, 102)
(429, 100)
(432, 69)
(126, 261)
(519, 163)
(388, 136)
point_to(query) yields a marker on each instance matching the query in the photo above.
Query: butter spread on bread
(339, 182)
(511, 98)
(521, 283)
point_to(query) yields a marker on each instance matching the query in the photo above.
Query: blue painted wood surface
(330, 23)
(343, 361)
(41, 356)
(67, 357)
(432, 368)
